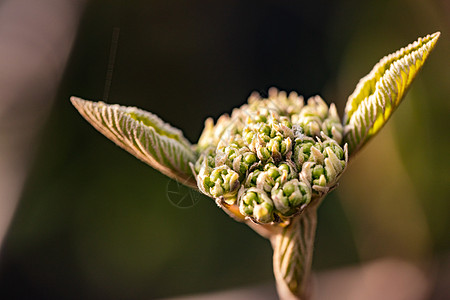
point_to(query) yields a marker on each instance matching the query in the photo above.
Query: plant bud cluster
(272, 156)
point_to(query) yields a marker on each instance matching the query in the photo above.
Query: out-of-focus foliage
(96, 232)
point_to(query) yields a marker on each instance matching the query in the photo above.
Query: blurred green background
(93, 222)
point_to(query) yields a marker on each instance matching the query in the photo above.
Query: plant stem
(292, 255)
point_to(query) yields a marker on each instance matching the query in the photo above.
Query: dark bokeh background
(93, 222)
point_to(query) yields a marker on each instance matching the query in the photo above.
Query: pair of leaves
(164, 148)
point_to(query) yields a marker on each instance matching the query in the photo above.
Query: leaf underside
(380, 92)
(144, 135)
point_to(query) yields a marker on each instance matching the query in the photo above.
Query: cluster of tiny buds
(271, 161)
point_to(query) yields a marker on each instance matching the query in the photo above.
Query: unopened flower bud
(272, 156)
(288, 197)
(256, 204)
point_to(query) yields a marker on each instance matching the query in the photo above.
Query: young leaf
(144, 135)
(380, 92)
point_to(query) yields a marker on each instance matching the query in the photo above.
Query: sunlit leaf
(144, 135)
(380, 92)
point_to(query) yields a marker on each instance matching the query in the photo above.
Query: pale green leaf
(144, 135)
(380, 92)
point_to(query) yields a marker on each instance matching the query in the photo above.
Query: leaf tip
(434, 38)
(75, 100)
(78, 102)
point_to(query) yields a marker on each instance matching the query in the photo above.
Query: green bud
(217, 190)
(288, 188)
(268, 165)
(250, 198)
(256, 204)
(317, 171)
(265, 138)
(273, 145)
(302, 151)
(311, 127)
(265, 129)
(263, 153)
(208, 183)
(248, 136)
(295, 199)
(264, 182)
(304, 146)
(252, 178)
(242, 168)
(216, 174)
(263, 212)
(273, 172)
(290, 197)
(273, 133)
(247, 210)
(334, 147)
(305, 189)
(250, 158)
(284, 167)
(260, 118)
(322, 181)
(211, 162)
(286, 122)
